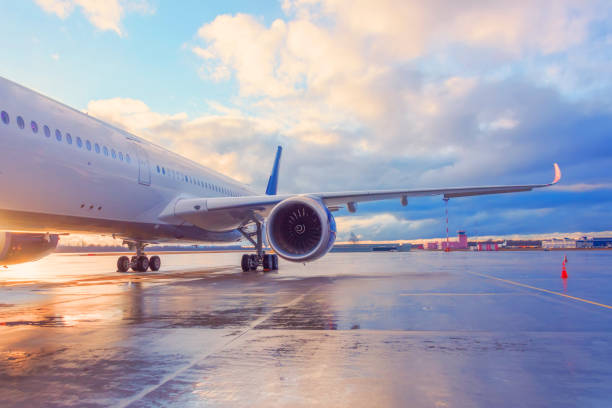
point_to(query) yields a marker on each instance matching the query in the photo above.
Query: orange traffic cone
(563, 271)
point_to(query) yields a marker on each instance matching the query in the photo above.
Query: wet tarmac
(412, 329)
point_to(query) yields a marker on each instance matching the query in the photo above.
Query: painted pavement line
(198, 359)
(541, 290)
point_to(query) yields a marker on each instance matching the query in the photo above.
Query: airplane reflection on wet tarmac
(384, 329)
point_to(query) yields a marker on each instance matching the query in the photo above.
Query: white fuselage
(87, 176)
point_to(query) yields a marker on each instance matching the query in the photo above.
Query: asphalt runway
(411, 329)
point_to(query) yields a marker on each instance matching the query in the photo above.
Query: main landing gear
(139, 262)
(250, 262)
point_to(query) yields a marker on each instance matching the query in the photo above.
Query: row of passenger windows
(114, 154)
(68, 137)
(195, 181)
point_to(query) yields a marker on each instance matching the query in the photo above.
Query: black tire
(142, 264)
(123, 264)
(245, 263)
(253, 262)
(268, 262)
(275, 262)
(154, 263)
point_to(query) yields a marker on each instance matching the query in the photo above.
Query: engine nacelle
(18, 247)
(301, 229)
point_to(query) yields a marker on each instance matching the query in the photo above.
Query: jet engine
(301, 229)
(18, 247)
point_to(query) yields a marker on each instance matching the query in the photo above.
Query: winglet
(557, 174)
(273, 180)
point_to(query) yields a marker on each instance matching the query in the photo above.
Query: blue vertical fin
(273, 180)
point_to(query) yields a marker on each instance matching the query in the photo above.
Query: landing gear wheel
(123, 264)
(245, 263)
(274, 262)
(142, 264)
(155, 263)
(253, 262)
(268, 262)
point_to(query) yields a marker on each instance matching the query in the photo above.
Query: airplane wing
(191, 209)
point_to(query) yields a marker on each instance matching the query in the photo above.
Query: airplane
(63, 171)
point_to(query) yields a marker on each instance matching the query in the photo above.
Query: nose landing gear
(139, 262)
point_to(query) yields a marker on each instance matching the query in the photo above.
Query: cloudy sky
(361, 94)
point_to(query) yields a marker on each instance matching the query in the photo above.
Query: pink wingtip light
(557, 174)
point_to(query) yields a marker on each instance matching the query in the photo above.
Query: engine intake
(18, 247)
(301, 229)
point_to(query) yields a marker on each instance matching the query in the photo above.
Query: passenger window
(158, 170)
(186, 179)
(47, 131)
(97, 147)
(69, 138)
(58, 135)
(34, 126)
(163, 171)
(127, 158)
(120, 156)
(20, 122)
(88, 145)
(113, 153)
(5, 118)
(79, 142)
(105, 150)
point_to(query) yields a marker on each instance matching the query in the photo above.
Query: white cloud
(62, 8)
(131, 114)
(582, 187)
(242, 43)
(381, 225)
(105, 15)
(343, 73)
(506, 121)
